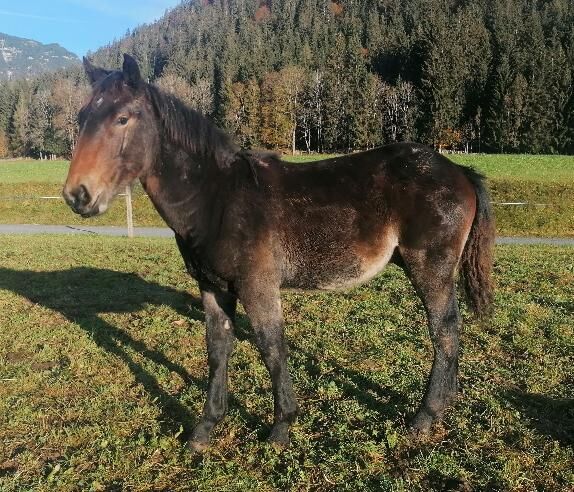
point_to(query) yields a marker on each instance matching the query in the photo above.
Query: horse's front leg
(263, 307)
(219, 317)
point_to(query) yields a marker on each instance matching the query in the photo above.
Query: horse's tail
(477, 256)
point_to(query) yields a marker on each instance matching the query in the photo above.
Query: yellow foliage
(3, 145)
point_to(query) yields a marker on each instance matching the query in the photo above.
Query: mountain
(25, 58)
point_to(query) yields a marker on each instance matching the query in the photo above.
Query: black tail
(477, 256)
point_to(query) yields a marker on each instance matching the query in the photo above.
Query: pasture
(103, 373)
(544, 185)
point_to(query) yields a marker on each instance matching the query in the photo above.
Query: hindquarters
(445, 226)
(445, 210)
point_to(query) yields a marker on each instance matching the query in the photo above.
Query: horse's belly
(370, 266)
(350, 266)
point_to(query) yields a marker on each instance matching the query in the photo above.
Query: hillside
(331, 76)
(316, 75)
(24, 58)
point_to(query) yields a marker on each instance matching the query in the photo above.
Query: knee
(449, 346)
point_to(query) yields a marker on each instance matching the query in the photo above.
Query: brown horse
(248, 224)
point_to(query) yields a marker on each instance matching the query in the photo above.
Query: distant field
(103, 374)
(29, 171)
(540, 168)
(543, 185)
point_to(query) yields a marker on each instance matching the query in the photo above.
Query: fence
(127, 195)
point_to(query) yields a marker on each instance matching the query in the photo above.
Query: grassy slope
(102, 360)
(545, 182)
(26, 171)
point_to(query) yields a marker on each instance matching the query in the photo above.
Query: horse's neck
(179, 188)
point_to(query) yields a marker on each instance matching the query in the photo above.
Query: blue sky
(78, 25)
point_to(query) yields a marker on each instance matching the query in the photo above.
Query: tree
(398, 111)
(39, 122)
(243, 113)
(310, 114)
(177, 86)
(67, 98)
(4, 149)
(281, 94)
(20, 123)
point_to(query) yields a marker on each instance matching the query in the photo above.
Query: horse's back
(342, 219)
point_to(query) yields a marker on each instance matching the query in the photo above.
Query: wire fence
(127, 195)
(128, 191)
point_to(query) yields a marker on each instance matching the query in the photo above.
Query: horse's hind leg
(219, 318)
(433, 276)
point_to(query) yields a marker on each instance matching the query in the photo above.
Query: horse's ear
(93, 73)
(131, 71)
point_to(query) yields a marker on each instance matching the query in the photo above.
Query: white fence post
(129, 211)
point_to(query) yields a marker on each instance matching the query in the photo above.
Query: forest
(323, 76)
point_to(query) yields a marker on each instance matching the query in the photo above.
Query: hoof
(279, 437)
(421, 424)
(197, 447)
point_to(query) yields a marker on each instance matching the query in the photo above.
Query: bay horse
(248, 224)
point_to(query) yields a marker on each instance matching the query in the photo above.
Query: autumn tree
(281, 94)
(66, 99)
(4, 149)
(243, 116)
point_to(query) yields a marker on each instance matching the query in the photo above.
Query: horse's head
(118, 138)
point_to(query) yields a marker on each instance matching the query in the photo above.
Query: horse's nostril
(77, 198)
(68, 197)
(82, 196)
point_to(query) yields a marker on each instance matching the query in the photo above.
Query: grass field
(530, 168)
(31, 171)
(103, 371)
(538, 168)
(544, 183)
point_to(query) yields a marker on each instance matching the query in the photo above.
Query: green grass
(545, 182)
(20, 204)
(302, 158)
(539, 168)
(505, 167)
(103, 371)
(26, 171)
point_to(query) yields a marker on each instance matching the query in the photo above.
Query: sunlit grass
(103, 372)
(27, 170)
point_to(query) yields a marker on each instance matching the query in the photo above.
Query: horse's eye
(122, 120)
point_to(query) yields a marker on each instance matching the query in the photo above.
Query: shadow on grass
(386, 402)
(553, 417)
(82, 294)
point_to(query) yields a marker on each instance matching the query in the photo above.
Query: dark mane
(191, 130)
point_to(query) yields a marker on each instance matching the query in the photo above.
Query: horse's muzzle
(79, 200)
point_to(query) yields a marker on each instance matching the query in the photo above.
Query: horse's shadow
(553, 417)
(82, 294)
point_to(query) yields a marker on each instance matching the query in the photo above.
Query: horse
(249, 224)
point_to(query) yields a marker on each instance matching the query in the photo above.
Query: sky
(78, 25)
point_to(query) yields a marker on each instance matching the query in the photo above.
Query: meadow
(103, 373)
(542, 185)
